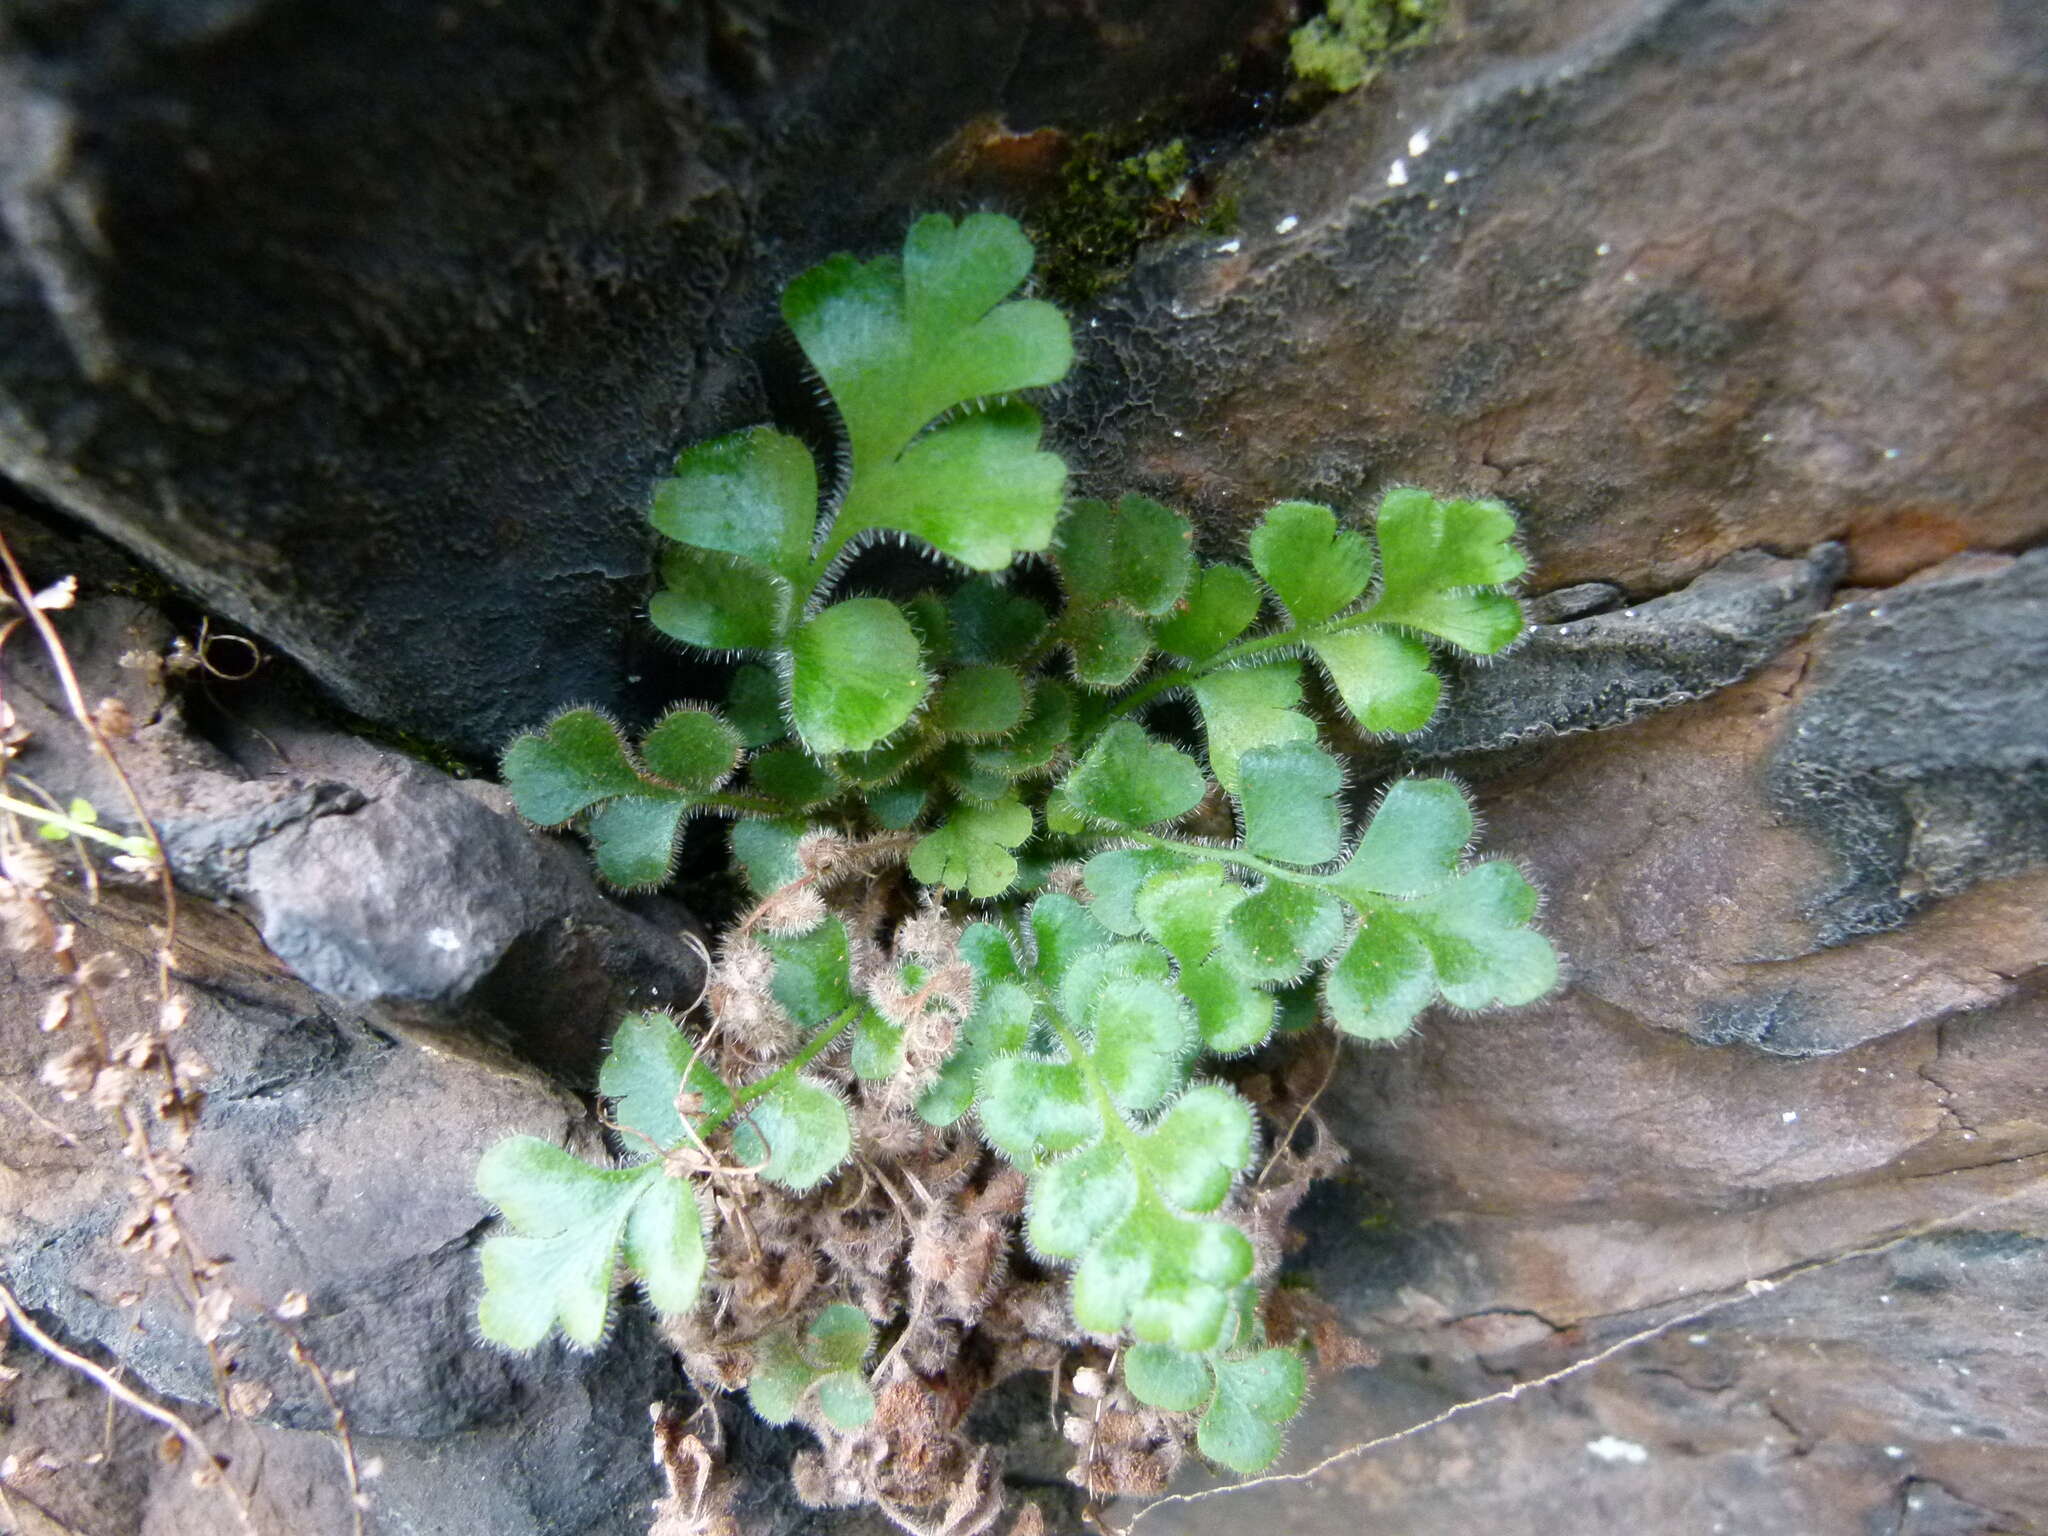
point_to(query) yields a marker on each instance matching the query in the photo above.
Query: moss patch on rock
(1349, 44)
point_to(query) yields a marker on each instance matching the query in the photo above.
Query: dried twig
(74, 698)
(165, 1178)
(107, 1382)
(358, 1499)
(1281, 1146)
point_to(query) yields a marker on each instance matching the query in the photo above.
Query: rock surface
(1919, 754)
(339, 1146)
(1709, 280)
(1609, 668)
(1730, 298)
(1675, 277)
(336, 1160)
(376, 879)
(489, 264)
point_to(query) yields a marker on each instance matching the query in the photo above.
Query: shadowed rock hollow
(1735, 300)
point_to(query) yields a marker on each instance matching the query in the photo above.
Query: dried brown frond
(701, 1489)
(1295, 1314)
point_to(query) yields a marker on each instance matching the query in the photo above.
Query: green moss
(1162, 169)
(1349, 45)
(1115, 191)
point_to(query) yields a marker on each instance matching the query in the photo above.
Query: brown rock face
(1677, 278)
(1683, 281)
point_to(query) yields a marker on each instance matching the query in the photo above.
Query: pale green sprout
(80, 819)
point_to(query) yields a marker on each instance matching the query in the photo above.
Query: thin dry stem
(189, 1437)
(165, 1180)
(74, 698)
(1281, 1146)
(345, 1443)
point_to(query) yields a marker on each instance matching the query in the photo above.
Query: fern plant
(1042, 854)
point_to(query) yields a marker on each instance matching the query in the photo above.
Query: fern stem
(138, 847)
(1235, 856)
(814, 1047)
(1181, 676)
(1112, 1119)
(1230, 655)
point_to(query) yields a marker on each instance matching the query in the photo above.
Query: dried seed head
(110, 1087)
(114, 718)
(1066, 879)
(56, 1009)
(821, 854)
(700, 1490)
(148, 663)
(72, 1073)
(793, 909)
(685, 1161)
(1004, 1195)
(1134, 1473)
(751, 1022)
(61, 593)
(928, 935)
(137, 1051)
(745, 964)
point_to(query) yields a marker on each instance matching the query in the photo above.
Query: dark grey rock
(1614, 667)
(337, 1160)
(1574, 602)
(372, 325)
(1929, 1509)
(378, 880)
(1918, 752)
(347, 1107)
